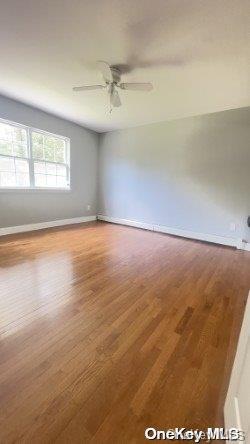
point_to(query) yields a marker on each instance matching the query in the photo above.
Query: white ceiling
(195, 52)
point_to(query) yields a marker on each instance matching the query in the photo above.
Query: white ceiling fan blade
(115, 99)
(106, 71)
(136, 86)
(88, 87)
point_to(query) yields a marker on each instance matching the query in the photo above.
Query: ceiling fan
(112, 79)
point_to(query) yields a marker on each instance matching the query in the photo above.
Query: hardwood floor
(107, 330)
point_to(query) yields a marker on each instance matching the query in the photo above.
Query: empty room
(124, 221)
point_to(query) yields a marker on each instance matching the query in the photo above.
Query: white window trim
(32, 186)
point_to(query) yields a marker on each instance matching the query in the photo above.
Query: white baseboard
(198, 236)
(130, 223)
(243, 245)
(247, 246)
(175, 231)
(42, 225)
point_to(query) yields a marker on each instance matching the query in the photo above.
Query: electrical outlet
(88, 207)
(232, 226)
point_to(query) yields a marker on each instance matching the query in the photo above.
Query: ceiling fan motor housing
(116, 74)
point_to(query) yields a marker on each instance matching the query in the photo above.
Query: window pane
(51, 168)
(60, 143)
(5, 147)
(39, 167)
(61, 170)
(22, 179)
(61, 182)
(20, 150)
(37, 138)
(37, 145)
(60, 153)
(51, 181)
(22, 166)
(19, 135)
(5, 131)
(40, 180)
(50, 142)
(49, 147)
(48, 153)
(7, 164)
(7, 179)
(37, 151)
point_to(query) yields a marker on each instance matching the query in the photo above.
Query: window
(14, 163)
(31, 158)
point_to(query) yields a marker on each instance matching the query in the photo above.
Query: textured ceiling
(195, 52)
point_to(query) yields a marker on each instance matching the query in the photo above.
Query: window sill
(36, 190)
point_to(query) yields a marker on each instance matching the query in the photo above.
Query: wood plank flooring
(106, 330)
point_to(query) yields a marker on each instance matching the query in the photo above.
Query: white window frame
(31, 160)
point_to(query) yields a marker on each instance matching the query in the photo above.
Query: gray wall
(192, 174)
(24, 207)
